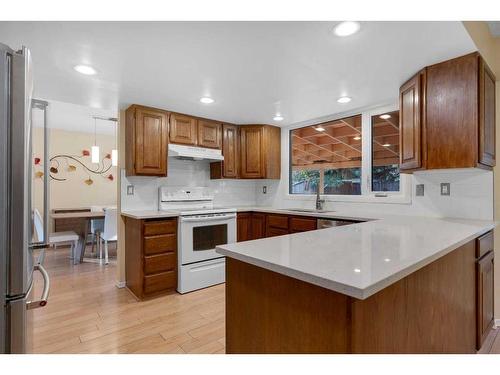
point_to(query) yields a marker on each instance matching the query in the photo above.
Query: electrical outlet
(445, 188)
(264, 189)
(130, 189)
(419, 190)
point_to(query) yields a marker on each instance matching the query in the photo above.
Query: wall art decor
(63, 165)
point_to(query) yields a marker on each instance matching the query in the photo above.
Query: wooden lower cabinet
(484, 287)
(303, 224)
(255, 225)
(243, 226)
(258, 225)
(151, 256)
(430, 311)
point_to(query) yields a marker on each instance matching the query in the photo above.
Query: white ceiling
(76, 118)
(251, 69)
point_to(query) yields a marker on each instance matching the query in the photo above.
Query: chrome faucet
(319, 201)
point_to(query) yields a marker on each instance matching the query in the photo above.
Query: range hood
(194, 153)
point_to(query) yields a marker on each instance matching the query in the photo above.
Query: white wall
(471, 193)
(183, 173)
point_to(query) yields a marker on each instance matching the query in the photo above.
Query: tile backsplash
(471, 192)
(182, 173)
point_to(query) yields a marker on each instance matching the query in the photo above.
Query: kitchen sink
(306, 210)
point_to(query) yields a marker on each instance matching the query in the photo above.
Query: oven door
(200, 234)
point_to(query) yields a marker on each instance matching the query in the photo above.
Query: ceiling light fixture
(319, 128)
(278, 118)
(386, 144)
(206, 100)
(85, 69)
(387, 260)
(95, 149)
(357, 270)
(356, 138)
(344, 99)
(346, 28)
(385, 117)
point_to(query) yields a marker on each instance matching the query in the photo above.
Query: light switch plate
(130, 189)
(445, 188)
(419, 190)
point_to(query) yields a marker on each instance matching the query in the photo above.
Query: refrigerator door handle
(46, 289)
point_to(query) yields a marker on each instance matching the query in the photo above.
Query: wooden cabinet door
(151, 142)
(244, 226)
(251, 150)
(485, 316)
(302, 224)
(486, 115)
(410, 133)
(258, 225)
(230, 149)
(209, 134)
(183, 129)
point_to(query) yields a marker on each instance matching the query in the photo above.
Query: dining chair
(110, 232)
(56, 237)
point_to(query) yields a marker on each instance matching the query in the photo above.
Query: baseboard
(120, 284)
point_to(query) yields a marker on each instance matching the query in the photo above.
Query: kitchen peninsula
(395, 285)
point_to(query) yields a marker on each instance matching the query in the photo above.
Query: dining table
(81, 226)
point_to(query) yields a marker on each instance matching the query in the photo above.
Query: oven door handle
(208, 218)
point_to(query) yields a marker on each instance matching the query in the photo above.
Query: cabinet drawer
(302, 224)
(160, 244)
(271, 232)
(152, 228)
(277, 221)
(159, 282)
(159, 263)
(484, 244)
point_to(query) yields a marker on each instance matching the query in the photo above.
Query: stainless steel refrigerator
(17, 241)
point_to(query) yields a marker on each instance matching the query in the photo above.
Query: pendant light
(114, 152)
(95, 149)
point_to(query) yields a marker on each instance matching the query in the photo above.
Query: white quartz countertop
(359, 259)
(344, 215)
(148, 214)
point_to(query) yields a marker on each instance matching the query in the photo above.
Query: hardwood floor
(87, 313)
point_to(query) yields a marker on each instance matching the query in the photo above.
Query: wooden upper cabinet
(146, 141)
(252, 161)
(456, 127)
(209, 134)
(410, 126)
(183, 129)
(260, 151)
(229, 167)
(486, 115)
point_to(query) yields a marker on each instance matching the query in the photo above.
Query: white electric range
(201, 228)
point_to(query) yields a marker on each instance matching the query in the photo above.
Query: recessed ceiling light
(206, 100)
(344, 99)
(387, 260)
(320, 128)
(85, 69)
(386, 144)
(356, 138)
(357, 270)
(346, 28)
(385, 117)
(278, 118)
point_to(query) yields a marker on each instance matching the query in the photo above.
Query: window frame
(403, 196)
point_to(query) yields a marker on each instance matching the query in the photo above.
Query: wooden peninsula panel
(430, 311)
